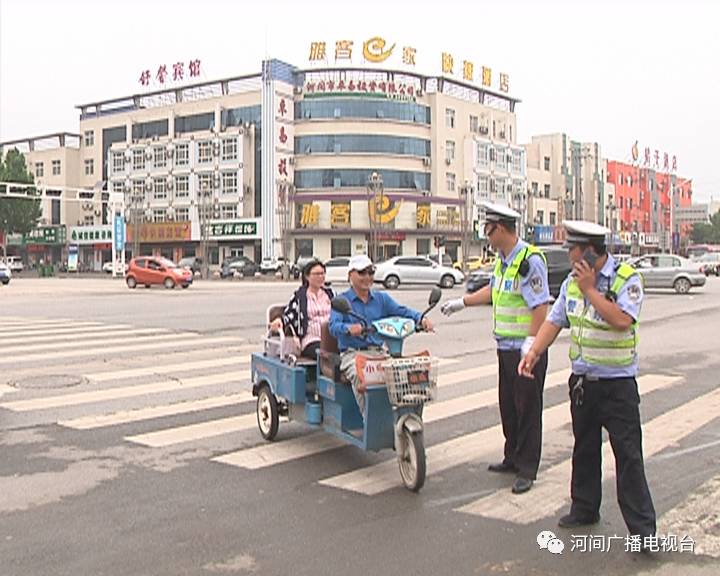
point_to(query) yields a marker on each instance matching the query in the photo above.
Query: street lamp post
(376, 197)
(466, 194)
(203, 219)
(285, 196)
(610, 208)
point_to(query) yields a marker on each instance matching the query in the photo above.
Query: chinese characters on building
(653, 159)
(163, 74)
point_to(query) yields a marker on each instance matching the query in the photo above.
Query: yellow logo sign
(309, 215)
(374, 50)
(382, 210)
(340, 214)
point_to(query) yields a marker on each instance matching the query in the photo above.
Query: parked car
(238, 265)
(14, 263)
(193, 262)
(108, 268)
(446, 260)
(709, 263)
(271, 265)
(416, 270)
(558, 263)
(149, 270)
(5, 274)
(473, 263)
(336, 269)
(479, 278)
(669, 271)
(301, 262)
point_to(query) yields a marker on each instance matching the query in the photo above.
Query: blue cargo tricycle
(396, 389)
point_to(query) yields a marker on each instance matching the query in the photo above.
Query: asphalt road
(129, 446)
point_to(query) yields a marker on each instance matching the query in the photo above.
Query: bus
(697, 250)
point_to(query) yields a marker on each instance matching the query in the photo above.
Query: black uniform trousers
(521, 404)
(611, 403)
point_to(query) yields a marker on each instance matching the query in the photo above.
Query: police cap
(499, 213)
(583, 232)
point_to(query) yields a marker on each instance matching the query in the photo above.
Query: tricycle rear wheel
(411, 460)
(268, 417)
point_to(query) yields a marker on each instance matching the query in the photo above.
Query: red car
(150, 270)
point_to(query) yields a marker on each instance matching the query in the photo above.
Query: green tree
(704, 233)
(17, 215)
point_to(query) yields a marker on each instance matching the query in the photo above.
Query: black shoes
(573, 521)
(521, 485)
(503, 467)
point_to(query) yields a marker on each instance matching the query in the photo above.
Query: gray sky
(612, 72)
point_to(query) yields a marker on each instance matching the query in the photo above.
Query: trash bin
(41, 270)
(50, 270)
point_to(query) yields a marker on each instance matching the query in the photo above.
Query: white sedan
(108, 268)
(416, 270)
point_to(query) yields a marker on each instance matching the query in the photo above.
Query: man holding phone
(600, 302)
(519, 294)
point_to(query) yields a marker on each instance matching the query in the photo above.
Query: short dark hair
(308, 268)
(509, 225)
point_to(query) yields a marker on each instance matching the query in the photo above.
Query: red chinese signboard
(161, 232)
(178, 72)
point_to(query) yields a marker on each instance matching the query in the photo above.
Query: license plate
(420, 378)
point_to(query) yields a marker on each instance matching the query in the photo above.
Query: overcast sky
(609, 72)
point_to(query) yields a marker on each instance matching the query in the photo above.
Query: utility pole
(466, 194)
(376, 198)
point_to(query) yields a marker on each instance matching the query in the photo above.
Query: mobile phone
(590, 257)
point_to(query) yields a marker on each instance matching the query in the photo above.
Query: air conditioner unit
(291, 160)
(297, 90)
(426, 160)
(448, 161)
(148, 155)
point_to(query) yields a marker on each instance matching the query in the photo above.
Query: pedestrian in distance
(600, 303)
(519, 295)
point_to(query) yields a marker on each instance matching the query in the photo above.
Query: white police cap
(584, 232)
(499, 213)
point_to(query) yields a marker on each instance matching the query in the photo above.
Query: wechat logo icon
(547, 540)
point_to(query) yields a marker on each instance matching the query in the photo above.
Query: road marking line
(479, 445)
(697, 517)
(468, 374)
(175, 367)
(72, 343)
(37, 326)
(78, 398)
(51, 342)
(105, 351)
(551, 491)
(48, 332)
(127, 416)
(192, 432)
(279, 452)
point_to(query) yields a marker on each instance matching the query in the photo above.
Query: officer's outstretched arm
(482, 296)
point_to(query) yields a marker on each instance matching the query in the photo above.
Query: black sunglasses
(369, 270)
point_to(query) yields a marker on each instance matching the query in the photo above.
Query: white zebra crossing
(138, 335)
(550, 493)
(26, 334)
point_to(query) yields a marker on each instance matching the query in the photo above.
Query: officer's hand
(584, 276)
(356, 330)
(427, 324)
(525, 368)
(452, 306)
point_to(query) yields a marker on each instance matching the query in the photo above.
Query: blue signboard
(119, 225)
(543, 234)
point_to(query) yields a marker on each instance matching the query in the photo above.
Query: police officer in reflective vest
(600, 303)
(519, 295)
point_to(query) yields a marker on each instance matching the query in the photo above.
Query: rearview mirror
(435, 295)
(341, 305)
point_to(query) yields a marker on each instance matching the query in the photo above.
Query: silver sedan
(669, 271)
(416, 270)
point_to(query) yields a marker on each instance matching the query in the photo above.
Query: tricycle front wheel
(411, 460)
(268, 417)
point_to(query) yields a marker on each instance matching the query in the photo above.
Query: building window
(629, 180)
(340, 247)
(39, 169)
(182, 155)
(118, 187)
(182, 186)
(88, 220)
(449, 151)
(229, 183)
(630, 203)
(138, 188)
(229, 149)
(89, 167)
(553, 219)
(56, 167)
(205, 152)
(534, 189)
(159, 215)
(89, 138)
(182, 214)
(449, 118)
(482, 159)
(546, 191)
(159, 188)
(483, 188)
(540, 217)
(118, 162)
(228, 211)
(204, 182)
(138, 157)
(620, 178)
(160, 156)
(473, 127)
(501, 158)
(547, 163)
(517, 157)
(450, 181)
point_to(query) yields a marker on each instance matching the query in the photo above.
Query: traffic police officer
(600, 302)
(519, 294)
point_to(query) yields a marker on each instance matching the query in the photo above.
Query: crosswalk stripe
(53, 343)
(179, 340)
(192, 432)
(78, 398)
(54, 332)
(127, 416)
(450, 378)
(74, 343)
(278, 452)
(551, 491)
(462, 450)
(694, 517)
(174, 367)
(45, 325)
(281, 452)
